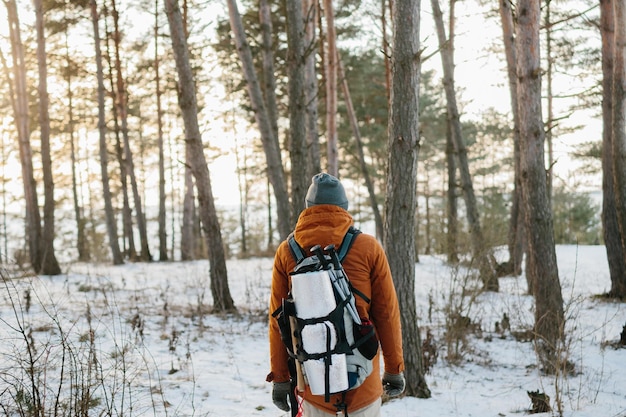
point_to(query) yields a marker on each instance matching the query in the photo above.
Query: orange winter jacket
(368, 270)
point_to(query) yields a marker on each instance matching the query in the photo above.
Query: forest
(176, 130)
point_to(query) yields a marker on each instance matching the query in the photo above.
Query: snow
(157, 351)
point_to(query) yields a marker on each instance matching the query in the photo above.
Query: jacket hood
(322, 225)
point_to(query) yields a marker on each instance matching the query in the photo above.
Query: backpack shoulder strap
(296, 250)
(298, 253)
(348, 240)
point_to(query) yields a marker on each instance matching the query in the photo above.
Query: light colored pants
(372, 410)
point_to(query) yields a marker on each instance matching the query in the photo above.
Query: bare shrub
(461, 297)
(52, 365)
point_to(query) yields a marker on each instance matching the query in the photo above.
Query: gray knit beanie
(326, 189)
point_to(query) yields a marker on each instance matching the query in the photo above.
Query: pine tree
(222, 300)
(541, 264)
(401, 202)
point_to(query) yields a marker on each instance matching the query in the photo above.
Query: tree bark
(516, 222)
(160, 142)
(310, 11)
(49, 263)
(549, 125)
(297, 108)
(619, 119)
(481, 252)
(20, 111)
(128, 236)
(330, 68)
(401, 201)
(452, 206)
(385, 47)
(4, 245)
(378, 220)
(187, 237)
(612, 235)
(122, 104)
(222, 300)
(174, 225)
(82, 245)
(106, 191)
(269, 78)
(189, 240)
(270, 141)
(242, 185)
(4, 153)
(541, 265)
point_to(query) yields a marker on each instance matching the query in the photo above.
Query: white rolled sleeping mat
(313, 297)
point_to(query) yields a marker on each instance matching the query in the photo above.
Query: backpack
(331, 345)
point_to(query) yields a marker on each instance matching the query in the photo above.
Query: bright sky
(478, 73)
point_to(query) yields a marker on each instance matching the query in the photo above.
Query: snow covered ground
(136, 339)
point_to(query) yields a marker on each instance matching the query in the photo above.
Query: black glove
(280, 395)
(393, 384)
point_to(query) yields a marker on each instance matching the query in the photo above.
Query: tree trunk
(270, 222)
(378, 220)
(516, 222)
(612, 236)
(3, 155)
(401, 201)
(452, 207)
(122, 104)
(129, 248)
(160, 143)
(297, 108)
(314, 164)
(49, 263)
(269, 79)
(174, 225)
(427, 227)
(269, 87)
(187, 238)
(549, 125)
(128, 236)
(4, 252)
(270, 141)
(541, 265)
(619, 121)
(385, 48)
(82, 245)
(330, 68)
(481, 252)
(20, 111)
(106, 191)
(242, 185)
(222, 300)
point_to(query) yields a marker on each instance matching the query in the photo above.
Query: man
(325, 221)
